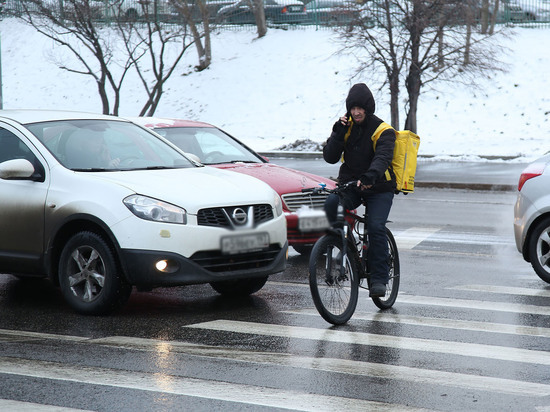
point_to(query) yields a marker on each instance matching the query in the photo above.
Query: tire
(539, 249)
(239, 287)
(90, 277)
(132, 15)
(392, 289)
(335, 296)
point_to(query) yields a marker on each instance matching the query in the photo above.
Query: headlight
(278, 205)
(152, 209)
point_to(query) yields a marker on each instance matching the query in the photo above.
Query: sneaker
(377, 290)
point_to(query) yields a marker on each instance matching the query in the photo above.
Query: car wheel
(90, 277)
(239, 287)
(539, 249)
(132, 15)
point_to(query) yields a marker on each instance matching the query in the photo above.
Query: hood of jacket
(360, 95)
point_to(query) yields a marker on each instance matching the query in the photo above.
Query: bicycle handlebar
(322, 188)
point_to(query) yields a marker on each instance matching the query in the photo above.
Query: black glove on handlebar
(368, 178)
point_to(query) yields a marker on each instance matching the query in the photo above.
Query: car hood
(280, 178)
(193, 188)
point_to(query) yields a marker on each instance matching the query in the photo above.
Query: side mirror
(16, 169)
(193, 157)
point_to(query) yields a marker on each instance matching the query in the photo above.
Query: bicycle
(338, 264)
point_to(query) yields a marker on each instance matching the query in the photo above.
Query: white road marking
(143, 381)
(456, 324)
(9, 405)
(474, 304)
(403, 343)
(409, 238)
(200, 388)
(506, 290)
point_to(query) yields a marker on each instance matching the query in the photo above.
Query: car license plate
(311, 223)
(296, 9)
(245, 243)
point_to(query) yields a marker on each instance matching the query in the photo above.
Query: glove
(339, 130)
(368, 178)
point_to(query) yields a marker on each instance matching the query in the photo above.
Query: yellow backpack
(405, 156)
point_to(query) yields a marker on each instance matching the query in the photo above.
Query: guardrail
(233, 14)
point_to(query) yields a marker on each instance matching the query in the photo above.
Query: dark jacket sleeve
(383, 155)
(334, 147)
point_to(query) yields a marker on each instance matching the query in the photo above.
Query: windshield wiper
(92, 169)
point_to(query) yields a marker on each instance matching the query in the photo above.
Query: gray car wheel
(539, 249)
(89, 276)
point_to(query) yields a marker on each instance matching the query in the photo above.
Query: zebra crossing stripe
(377, 370)
(456, 324)
(396, 342)
(505, 290)
(409, 238)
(200, 388)
(404, 373)
(9, 405)
(474, 304)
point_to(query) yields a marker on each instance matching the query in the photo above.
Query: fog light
(161, 265)
(166, 266)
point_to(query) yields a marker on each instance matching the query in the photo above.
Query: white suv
(99, 204)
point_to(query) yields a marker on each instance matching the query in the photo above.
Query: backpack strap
(346, 136)
(382, 127)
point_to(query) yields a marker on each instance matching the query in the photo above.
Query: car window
(11, 147)
(211, 145)
(106, 145)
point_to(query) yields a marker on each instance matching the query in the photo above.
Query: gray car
(532, 216)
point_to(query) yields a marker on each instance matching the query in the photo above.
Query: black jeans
(378, 206)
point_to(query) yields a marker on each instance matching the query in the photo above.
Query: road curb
(490, 187)
(288, 154)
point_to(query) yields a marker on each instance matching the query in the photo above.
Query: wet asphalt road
(469, 332)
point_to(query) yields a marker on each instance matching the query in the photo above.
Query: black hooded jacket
(361, 161)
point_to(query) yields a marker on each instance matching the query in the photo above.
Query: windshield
(210, 145)
(106, 145)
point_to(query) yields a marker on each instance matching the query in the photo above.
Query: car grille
(218, 262)
(225, 216)
(295, 201)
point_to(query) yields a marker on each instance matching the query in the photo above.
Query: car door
(22, 202)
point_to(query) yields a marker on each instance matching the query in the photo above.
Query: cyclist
(351, 141)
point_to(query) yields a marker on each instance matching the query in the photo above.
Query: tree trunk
(494, 17)
(413, 81)
(259, 16)
(484, 16)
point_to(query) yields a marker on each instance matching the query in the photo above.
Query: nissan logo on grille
(239, 216)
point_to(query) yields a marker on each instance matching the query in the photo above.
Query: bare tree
(96, 47)
(259, 15)
(196, 16)
(148, 47)
(72, 27)
(417, 42)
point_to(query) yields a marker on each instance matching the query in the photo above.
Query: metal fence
(238, 13)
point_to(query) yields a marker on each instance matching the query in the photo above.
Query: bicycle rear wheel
(334, 293)
(392, 288)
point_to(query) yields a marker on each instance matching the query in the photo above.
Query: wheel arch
(70, 227)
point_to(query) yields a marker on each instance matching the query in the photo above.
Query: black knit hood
(359, 95)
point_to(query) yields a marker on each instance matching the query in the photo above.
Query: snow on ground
(291, 85)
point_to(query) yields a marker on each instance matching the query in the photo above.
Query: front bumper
(295, 236)
(204, 267)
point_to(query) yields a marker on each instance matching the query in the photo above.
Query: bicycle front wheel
(392, 289)
(334, 291)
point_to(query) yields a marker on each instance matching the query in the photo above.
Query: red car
(214, 147)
